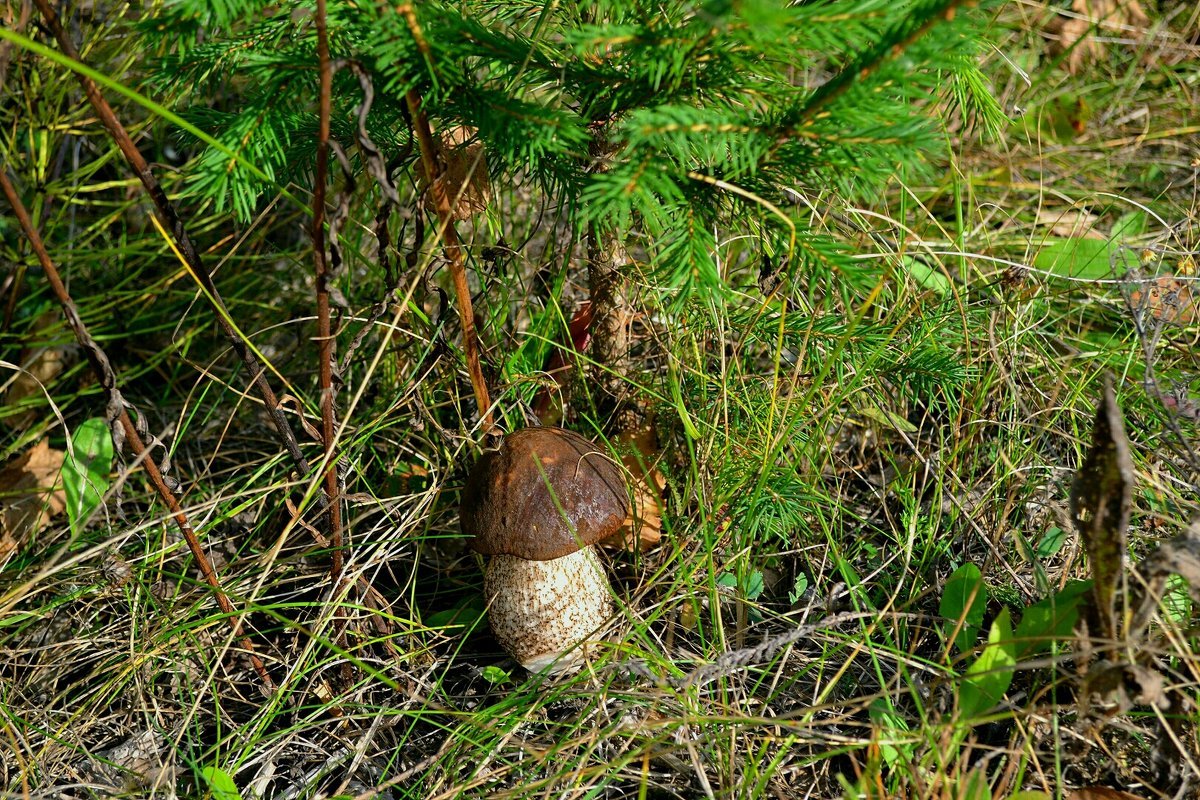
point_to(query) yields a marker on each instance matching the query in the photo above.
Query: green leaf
(1176, 603)
(220, 784)
(1089, 259)
(986, 680)
(1051, 542)
(464, 615)
(891, 746)
(1128, 226)
(727, 580)
(964, 599)
(85, 471)
(798, 588)
(495, 675)
(927, 277)
(1050, 620)
(753, 587)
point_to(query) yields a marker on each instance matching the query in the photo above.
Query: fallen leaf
(1166, 298)
(1069, 223)
(464, 173)
(559, 365)
(41, 365)
(139, 761)
(1100, 503)
(643, 526)
(1100, 793)
(32, 494)
(1071, 34)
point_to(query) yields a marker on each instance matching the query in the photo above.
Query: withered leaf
(1072, 34)
(1100, 502)
(643, 527)
(41, 365)
(1167, 298)
(1070, 223)
(1100, 793)
(28, 494)
(465, 175)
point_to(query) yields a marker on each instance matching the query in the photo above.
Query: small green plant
(1043, 624)
(220, 784)
(85, 471)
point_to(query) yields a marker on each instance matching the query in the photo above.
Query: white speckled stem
(538, 609)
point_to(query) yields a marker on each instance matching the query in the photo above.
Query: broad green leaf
(798, 588)
(220, 784)
(754, 585)
(927, 277)
(988, 678)
(1051, 542)
(1128, 225)
(1089, 259)
(495, 675)
(85, 471)
(965, 599)
(1176, 602)
(883, 715)
(1050, 620)
(464, 615)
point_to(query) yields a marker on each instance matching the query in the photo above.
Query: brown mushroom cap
(544, 494)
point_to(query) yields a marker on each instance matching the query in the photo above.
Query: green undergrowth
(867, 581)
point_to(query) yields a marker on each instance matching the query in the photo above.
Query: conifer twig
(861, 69)
(173, 223)
(447, 233)
(117, 406)
(324, 330)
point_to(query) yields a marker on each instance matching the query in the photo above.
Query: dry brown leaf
(1101, 498)
(141, 760)
(1100, 793)
(41, 365)
(1070, 224)
(465, 175)
(1074, 33)
(31, 494)
(648, 485)
(1167, 298)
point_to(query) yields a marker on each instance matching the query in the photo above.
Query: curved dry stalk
(325, 340)
(174, 224)
(117, 411)
(448, 234)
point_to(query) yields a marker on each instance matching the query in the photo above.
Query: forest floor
(841, 591)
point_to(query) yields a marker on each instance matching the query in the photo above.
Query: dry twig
(117, 411)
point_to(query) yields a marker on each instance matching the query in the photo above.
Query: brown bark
(608, 284)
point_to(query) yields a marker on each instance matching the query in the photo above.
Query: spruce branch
(174, 224)
(891, 46)
(127, 432)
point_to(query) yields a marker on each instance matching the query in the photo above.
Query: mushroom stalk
(539, 610)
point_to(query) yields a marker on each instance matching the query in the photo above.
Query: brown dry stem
(107, 379)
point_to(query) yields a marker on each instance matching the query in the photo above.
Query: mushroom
(536, 506)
